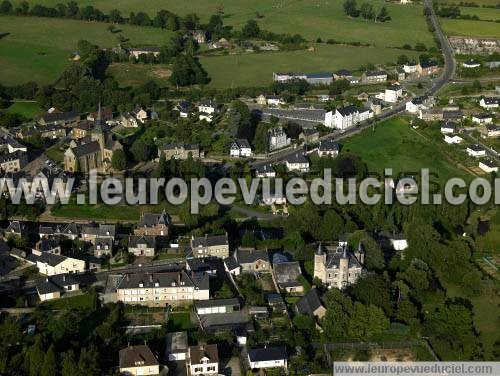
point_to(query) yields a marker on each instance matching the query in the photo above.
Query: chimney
(151, 278)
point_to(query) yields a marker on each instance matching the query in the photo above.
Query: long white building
(350, 116)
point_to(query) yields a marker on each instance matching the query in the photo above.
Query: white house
(203, 360)
(487, 165)
(393, 93)
(277, 139)
(53, 287)
(265, 171)
(268, 357)
(448, 128)
(491, 130)
(349, 116)
(483, 118)
(475, 150)
(471, 63)
(398, 242)
(410, 67)
(52, 264)
(271, 100)
(328, 148)
(240, 148)
(140, 114)
(207, 109)
(453, 139)
(489, 102)
(415, 105)
(214, 306)
(297, 162)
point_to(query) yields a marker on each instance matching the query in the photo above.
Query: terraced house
(158, 289)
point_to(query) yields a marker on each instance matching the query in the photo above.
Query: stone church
(92, 152)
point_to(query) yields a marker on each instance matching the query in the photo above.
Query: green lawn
(27, 109)
(310, 18)
(481, 29)
(99, 211)
(394, 144)
(179, 321)
(482, 13)
(84, 301)
(38, 49)
(136, 74)
(257, 68)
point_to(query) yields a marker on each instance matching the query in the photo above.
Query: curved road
(436, 84)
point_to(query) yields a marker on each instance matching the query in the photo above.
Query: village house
(102, 246)
(138, 360)
(13, 162)
(93, 232)
(417, 104)
(153, 224)
(253, 260)
(297, 162)
(106, 115)
(158, 289)
(376, 106)
(487, 165)
(203, 360)
(207, 109)
(270, 100)
(53, 287)
(482, 118)
(374, 76)
(490, 130)
(287, 275)
(65, 119)
(59, 230)
(128, 120)
(328, 148)
(448, 128)
(215, 306)
(183, 108)
(277, 139)
(427, 67)
(350, 116)
(452, 139)
(48, 246)
(180, 151)
(337, 267)
(52, 264)
(310, 305)
(51, 131)
(176, 346)
(268, 357)
(341, 74)
(142, 245)
(199, 36)
(137, 52)
(81, 130)
(393, 93)
(475, 150)
(319, 78)
(265, 171)
(401, 74)
(489, 102)
(210, 246)
(410, 67)
(240, 148)
(309, 135)
(471, 63)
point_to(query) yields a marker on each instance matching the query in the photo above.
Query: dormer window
(141, 284)
(157, 284)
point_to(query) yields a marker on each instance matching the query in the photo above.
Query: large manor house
(93, 151)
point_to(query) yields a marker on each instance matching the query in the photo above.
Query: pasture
(394, 144)
(256, 69)
(469, 28)
(311, 18)
(137, 74)
(28, 109)
(38, 49)
(482, 13)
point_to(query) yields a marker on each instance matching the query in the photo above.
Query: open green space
(255, 69)
(27, 109)
(99, 211)
(83, 301)
(469, 28)
(312, 19)
(394, 144)
(38, 49)
(482, 13)
(136, 74)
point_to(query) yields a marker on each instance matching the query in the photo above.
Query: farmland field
(482, 13)
(394, 144)
(312, 19)
(136, 74)
(38, 49)
(257, 68)
(27, 109)
(482, 29)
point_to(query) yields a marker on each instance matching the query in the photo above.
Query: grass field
(100, 211)
(83, 301)
(37, 49)
(394, 144)
(311, 18)
(137, 74)
(27, 109)
(482, 13)
(481, 29)
(257, 68)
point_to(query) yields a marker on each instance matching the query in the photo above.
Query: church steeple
(98, 121)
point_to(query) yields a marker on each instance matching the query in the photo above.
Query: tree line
(366, 11)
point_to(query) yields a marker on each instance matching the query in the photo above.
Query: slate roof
(247, 256)
(55, 283)
(197, 353)
(177, 342)
(59, 116)
(297, 158)
(263, 354)
(164, 279)
(152, 219)
(101, 230)
(241, 143)
(348, 110)
(46, 245)
(47, 258)
(309, 303)
(216, 303)
(491, 100)
(488, 162)
(328, 145)
(483, 115)
(287, 272)
(475, 147)
(135, 240)
(86, 149)
(209, 241)
(319, 75)
(137, 356)
(428, 64)
(231, 263)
